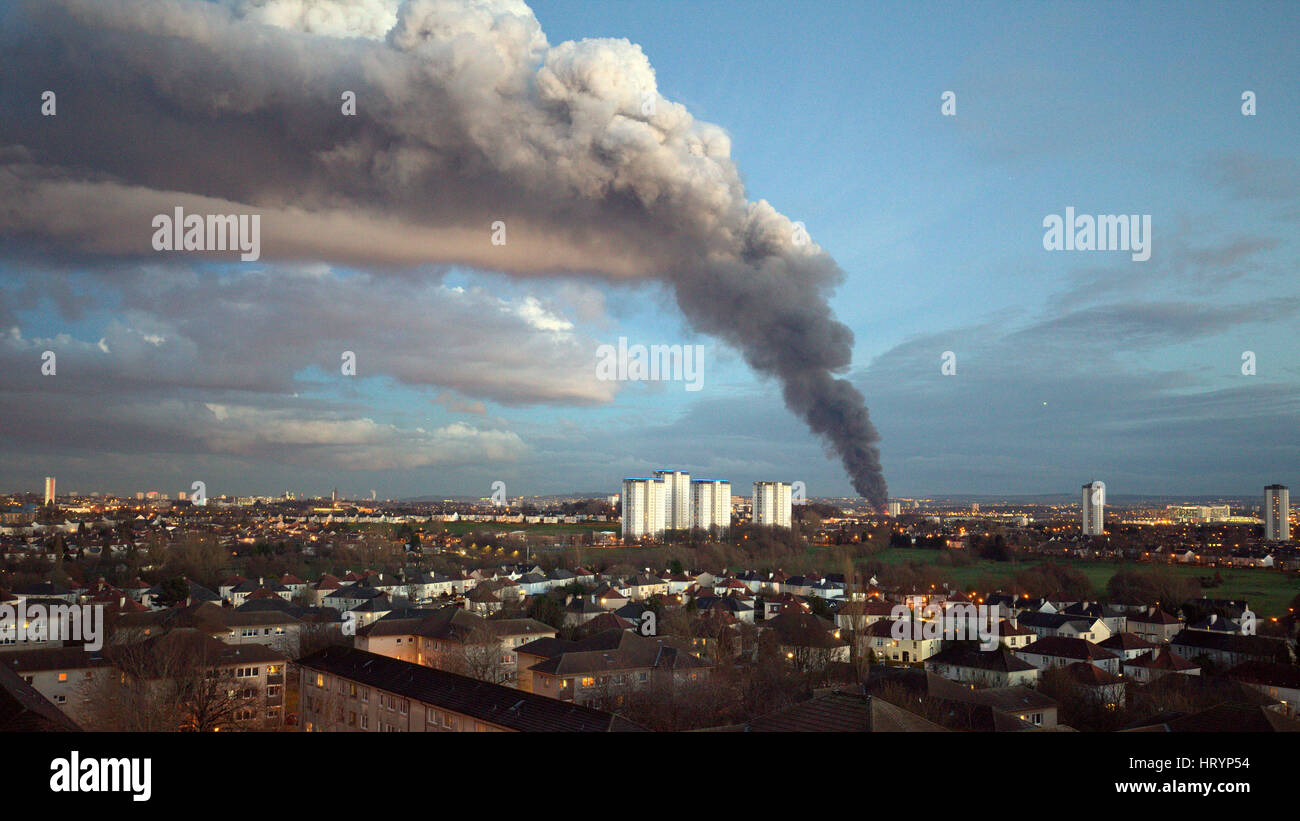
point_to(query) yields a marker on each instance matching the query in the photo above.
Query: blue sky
(1070, 366)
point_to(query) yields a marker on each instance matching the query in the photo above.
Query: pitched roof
(806, 630)
(1228, 642)
(1001, 660)
(1156, 617)
(1090, 675)
(611, 651)
(23, 709)
(1126, 641)
(608, 621)
(1163, 659)
(52, 658)
(1267, 673)
(839, 712)
(1234, 718)
(451, 623)
(492, 703)
(1054, 621)
(1070, 648)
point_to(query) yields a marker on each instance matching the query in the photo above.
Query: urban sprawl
(670, 605)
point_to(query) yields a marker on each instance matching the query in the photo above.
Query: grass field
(461, 528)
(1268, 591)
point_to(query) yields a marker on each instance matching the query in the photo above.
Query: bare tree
(174, 682)
(481, 656)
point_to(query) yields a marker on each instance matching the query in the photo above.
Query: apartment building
(344, 689)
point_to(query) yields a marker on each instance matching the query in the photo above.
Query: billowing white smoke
(466, 115)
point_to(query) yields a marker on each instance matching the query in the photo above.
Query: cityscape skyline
(1092, 505)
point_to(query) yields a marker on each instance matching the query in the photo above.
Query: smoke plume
(465, 116)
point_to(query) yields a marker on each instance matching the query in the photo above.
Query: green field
(462, 528)
(1268, 591)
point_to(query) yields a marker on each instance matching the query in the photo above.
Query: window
(63, 676)
(365, 721)
(320, 680)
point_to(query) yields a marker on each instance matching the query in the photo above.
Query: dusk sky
(476, 363)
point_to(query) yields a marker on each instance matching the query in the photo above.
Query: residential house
(596, 668)
(1059, 624)
(914, 646)
(1099, 685)
(1154, 625)
(1062, 651)
(1157, 663)
(1128, 645)
(1229, 650)
(964, 662)
(1278, 681)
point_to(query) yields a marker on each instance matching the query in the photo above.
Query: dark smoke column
(770, 302)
